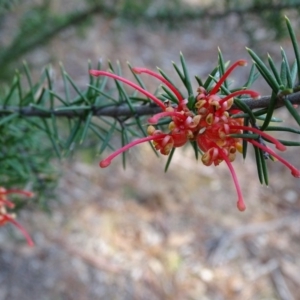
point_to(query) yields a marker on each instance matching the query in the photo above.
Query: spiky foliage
(39, 124)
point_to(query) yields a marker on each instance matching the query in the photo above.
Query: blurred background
(141, 233)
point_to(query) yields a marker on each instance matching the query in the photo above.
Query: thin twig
(124, 110)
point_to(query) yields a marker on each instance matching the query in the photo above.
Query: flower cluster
(6, 217)
(211, 123)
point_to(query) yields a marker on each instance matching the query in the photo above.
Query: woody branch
(125, 110)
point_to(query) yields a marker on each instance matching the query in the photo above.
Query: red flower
(183, 127)
(6, 217)
(210, 124)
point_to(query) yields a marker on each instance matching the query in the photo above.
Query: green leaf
(11, 91)
(196, 150)
(124, 141)
(245, 143)
(270, 111)
(122, 91)
(259, 164)
(264, 71)
(86, 127)
(295, 44)
(264, 167)
(50, 86)
(199, 81)
(29, 79)
(289, 143)
(244, 107)
(180, 74)
(170, 156)
(42, 97)
(137, 77)
(163, 74)
(105, 95)
(139, 81)
(52, 139)
(8, 118)
(293, 111)
(187, 80)
(72, 135)
(294, 73)
(170, 95)
(222, 67)
(65, 82)
(281, 128)
(54, 126)
(273, 119)
(210, 79)
(288, 71)
(63, 101)
(98, 134)
(19, 89)
(244, 135)
(73, 108)
(252, 77)
(108, 137)
(274, 70)
(283, 74)
(81, 95)
(41, 108)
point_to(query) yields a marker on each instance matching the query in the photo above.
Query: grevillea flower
(6, 217)
(212, 124)
(184, 123)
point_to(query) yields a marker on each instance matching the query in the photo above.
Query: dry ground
(143, 234)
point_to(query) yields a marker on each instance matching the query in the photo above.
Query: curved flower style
(211, 124)
(6, 217)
